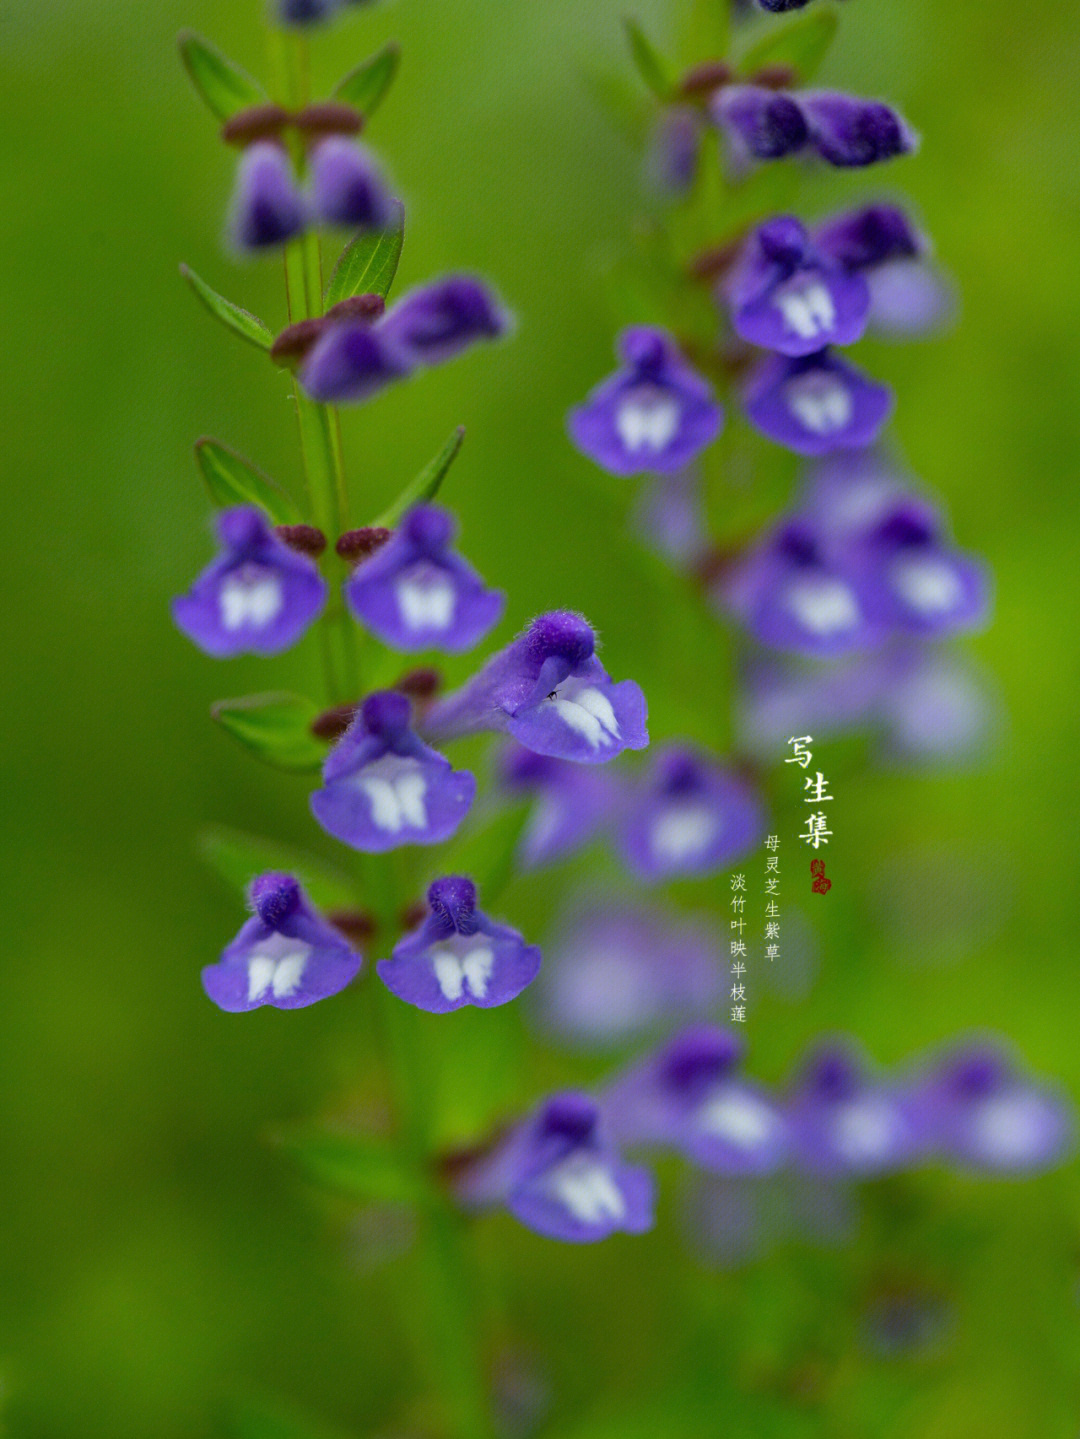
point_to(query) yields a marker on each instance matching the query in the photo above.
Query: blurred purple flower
(346, 185)
(267, 206)
(571, 805)
(761, 124)
(816, 403)
(438, 320)
(849, 131)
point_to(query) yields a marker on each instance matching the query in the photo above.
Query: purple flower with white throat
(983, 1111)
(346, 185)
(920, 585)
(257, 597)
(655, 414)
(267, 206)
(689, 1096)
(849, 131)
(383, 787)
(416, 594)
(438, 320)
(669, 516)
(761, 124)
(690, 816)
(351, 361)
(458, 956)
(785, 295)
(816, 403)
(559, 1174)
(845, 1120)
(286, 955)
(570, 806)
(550, 692)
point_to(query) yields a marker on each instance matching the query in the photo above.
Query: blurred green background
(158, 1260)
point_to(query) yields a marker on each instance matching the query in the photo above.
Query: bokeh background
(160, 1262)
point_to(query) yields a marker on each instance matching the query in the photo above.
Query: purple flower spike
(843, 1121)
(347, 187)
(550, 692)
(655, 414)
(437, 321)
(848, 131)
(458, 956)
(793, 593)
(571, 806)
(786, 296)
(816, 403)
(285, 955)
(351, 361)
(383, 787)
(267, 206)
(919, 585)
(687, 1096)
(559, 1174)
(988, 1115)
(258, 597)
(416, 594)
(691, 816)
(761, 124)
(616, 970)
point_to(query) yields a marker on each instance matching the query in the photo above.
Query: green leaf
(802, 45)
(276, 727)
(369, 262)
(223, 87)
(241, 322)
(650, 66)
(366, 86)
(358, 1166)
(427, 483)
(237, 858)
(232, 480)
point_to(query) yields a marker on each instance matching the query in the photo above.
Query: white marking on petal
(825, 607)
(250, 596)
(683, 830)
(1005, 1129)
(463, 964)
(647, 418)
(928, 585)
(739, 1119)
(588, 712)
(864, 1130)
(807, 307)
(395, 788)
(278, 966)
(427, 599)
(820, 402)
(587, 1189)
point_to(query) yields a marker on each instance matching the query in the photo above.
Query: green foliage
(427, 483)
(249, 327)
(232, 480)
(369, 262)
(237, 858)
(367, 86)
(276, 727)
(802, 45)
(650, 66)
(362, 1167)
(222, 86)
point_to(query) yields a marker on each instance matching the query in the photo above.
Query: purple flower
(687, 1096)
(984, 1112)
(550, 692)
(654, 414)
(559, 1174)
(918, 585)
(787, 296)
(383, 787)
(285, 955)
(305, 12)
(816, 403)
(761, 124)
(437, 321)
(845, 1121)
(871, 236)
(908, 295)
(848, 131)
(351, 361)
(257, 597)
(675, 150)
(346, 185)
(458, 956)
(571, 805)
(616, 969)
(690, 816)
(794, 592)
(416, 594)
(777, 698)
(267, 206)
(934, 707)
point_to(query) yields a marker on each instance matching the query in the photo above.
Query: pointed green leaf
(369, 262)
(241, 322)
(237, 858)
(427, 483)
(802, 45)
(366, 86)
(650, 66)
(276, 727)
(222, 86)
(358, 1166)
(232, 480)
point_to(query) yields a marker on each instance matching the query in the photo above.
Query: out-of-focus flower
(571, 805)
(845, 1120)
(849, 131)
(816, 403)
(346, 185)
(438, 320)
(761, 124)
(918, 584)
(675, 150)
(268, 207)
